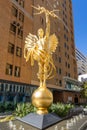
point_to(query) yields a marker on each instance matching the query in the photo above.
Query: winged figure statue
(41, 48)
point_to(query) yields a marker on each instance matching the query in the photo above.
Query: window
(11, 48)
(68, 65)
(59, 70)
(21, 17)
(13, 27)
(1, 87)
(9, 69)
(20, 32)
(68, 74)
(65, 45)
(7, 87)
(60, 82)
(18, 51)
(59, 59)
(17, 71)
(21, 2)
(10, 88)
(14, 11)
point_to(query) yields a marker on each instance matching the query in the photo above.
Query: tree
(84, 90)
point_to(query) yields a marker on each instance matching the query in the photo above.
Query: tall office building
(81, 62)
(15, 23)
(64, 57)
(16, 76)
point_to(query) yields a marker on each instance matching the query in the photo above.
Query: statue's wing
(29, 48)
(53, 42)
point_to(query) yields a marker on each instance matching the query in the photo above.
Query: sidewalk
(75, 123)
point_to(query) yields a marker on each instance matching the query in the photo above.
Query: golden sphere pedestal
(42, 98)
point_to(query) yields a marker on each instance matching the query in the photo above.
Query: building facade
(16, 76)
(15, 23)
(64, 57)
(81, 62)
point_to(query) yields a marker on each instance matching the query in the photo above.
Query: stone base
(40, 121)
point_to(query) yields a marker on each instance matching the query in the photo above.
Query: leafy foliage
(23, 109)
(84, 90)
(60, 109)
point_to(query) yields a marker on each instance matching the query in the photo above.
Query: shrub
(23, 109)
(60, 109)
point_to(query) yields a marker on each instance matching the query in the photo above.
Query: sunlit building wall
(64, 57)
(81, 62)
(16, 22)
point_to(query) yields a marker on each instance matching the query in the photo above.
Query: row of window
(59, 82)
(12, 88)
(11, 49)
(17, 14)
(9, 70)
(64, 5)
(59, 58)
(59, 70)
(16, 29)
(67, 64)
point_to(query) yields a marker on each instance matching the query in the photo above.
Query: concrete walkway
(75, 123)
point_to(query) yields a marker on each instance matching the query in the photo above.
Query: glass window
(59, 59)
(1, 87)
(11, 48)
(17, 71)
(9, 69)
(20, 32)
(21, 2)
(60, 82)
(14, 11)
(18, 51)
(13, 27)
(11, 88)
(59, 70)
(21, 17)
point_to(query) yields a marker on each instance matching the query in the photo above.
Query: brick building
(64, 57)
(16, 22)
(16, 76)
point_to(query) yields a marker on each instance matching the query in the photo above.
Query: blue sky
(80, 24)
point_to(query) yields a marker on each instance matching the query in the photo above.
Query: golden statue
(41, 48)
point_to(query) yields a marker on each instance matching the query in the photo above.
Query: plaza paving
(74, 123)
